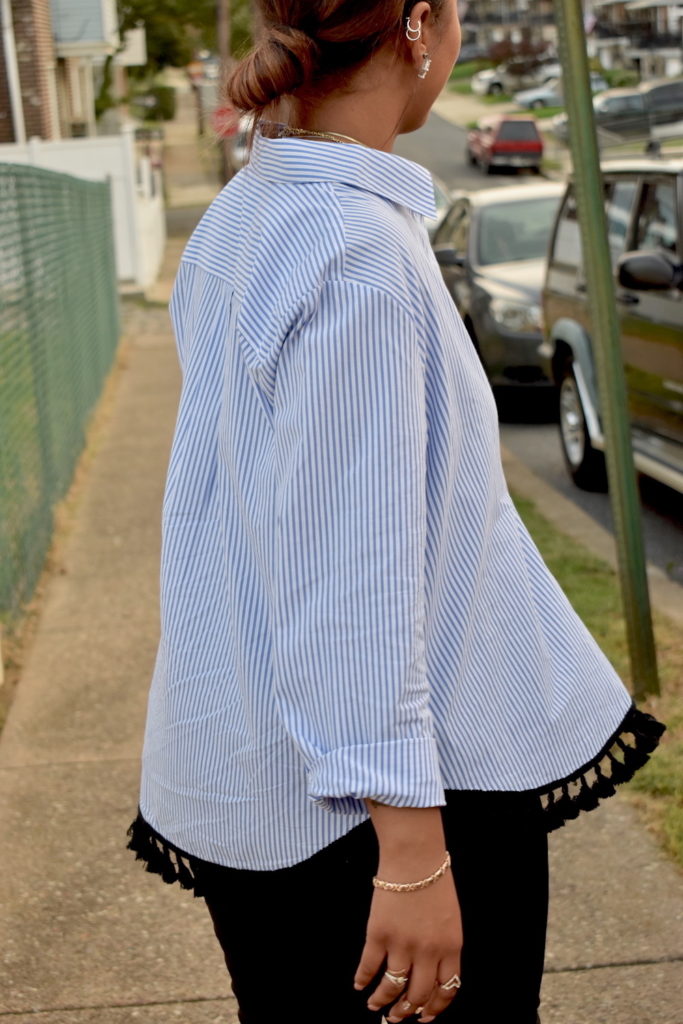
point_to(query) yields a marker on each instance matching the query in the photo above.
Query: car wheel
(585, 463)
(471, 158)
(537, 105)
(495, 88)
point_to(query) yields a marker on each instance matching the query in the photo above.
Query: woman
(371, 700)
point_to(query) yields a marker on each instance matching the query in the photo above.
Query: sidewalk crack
(117, 1006)
(646, 962)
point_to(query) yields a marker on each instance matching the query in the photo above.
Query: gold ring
(397, 977)
(452, 983)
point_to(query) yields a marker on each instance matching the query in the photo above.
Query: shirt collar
(308, 160)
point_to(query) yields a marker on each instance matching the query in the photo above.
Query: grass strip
(592, 587)
(468, 68)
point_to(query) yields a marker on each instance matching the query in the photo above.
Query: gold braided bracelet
(412, 886)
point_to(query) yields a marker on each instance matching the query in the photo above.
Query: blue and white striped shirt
(351, 606)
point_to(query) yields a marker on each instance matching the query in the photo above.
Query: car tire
(537, 105)
(586, 465)
(495, 89)
(471, 158)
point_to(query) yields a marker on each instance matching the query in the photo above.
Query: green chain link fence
(59, 325)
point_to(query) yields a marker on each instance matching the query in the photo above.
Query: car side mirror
(647, 271)
(447, 256)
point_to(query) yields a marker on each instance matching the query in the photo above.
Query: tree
(176, 29)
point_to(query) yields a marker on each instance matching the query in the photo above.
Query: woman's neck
(369, 110)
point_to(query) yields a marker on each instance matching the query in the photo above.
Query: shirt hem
(625, 752)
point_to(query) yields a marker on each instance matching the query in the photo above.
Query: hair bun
(283, 61)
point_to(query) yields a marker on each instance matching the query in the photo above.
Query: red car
(500, 141)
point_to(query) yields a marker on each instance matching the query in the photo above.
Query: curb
(666, 595)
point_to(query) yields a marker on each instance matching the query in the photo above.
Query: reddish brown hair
(302, 42)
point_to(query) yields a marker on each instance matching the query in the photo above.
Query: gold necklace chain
(285, 130)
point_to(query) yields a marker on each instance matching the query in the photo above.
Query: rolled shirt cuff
(400, 773)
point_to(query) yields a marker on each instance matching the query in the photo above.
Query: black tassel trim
(163, 858)
(625, 752)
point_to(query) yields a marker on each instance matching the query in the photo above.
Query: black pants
(293, 938)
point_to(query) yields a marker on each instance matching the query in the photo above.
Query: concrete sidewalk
(87, 937)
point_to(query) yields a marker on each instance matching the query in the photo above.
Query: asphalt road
(440, 146)
(527, 427)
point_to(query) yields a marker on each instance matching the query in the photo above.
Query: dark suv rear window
(665, 97)
(517, 131)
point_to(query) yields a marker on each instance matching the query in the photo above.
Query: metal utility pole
(13, 84)
(223, 29)
(624, 496)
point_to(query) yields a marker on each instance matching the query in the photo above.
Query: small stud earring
(426, 65)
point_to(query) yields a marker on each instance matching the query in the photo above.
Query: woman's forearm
(411, 840)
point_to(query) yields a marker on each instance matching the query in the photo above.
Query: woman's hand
(418, 934)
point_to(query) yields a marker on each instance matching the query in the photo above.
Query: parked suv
(491, 247)
(644, 210)
(500, 141)
(514, 75)
(633, 112)
(523, 73)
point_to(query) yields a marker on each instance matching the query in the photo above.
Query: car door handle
(626, 299)
(582, 287)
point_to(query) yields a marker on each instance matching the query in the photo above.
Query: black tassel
(644, 727)
(565, 806)
(155, 858)
(138, 838)
(169, 871)
(618, 772)
(587, 798)
(603, 785)
(185, 876)
(634, 759)
(647, 731)
(159, 856)
(616, 763)
(552, 818)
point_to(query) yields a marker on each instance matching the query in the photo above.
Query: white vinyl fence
(137, 197)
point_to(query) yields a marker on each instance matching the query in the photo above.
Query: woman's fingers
(440, 997)
(371, 960)
(418, 992)
(399, 969)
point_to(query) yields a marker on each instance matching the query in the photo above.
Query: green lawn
(542, 112)
(469, 68)
(592, 588)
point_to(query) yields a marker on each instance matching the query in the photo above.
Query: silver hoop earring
(426, 65)
(412, 33)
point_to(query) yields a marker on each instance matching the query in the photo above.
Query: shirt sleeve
(349, 602)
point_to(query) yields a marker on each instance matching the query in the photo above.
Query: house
(47, 62)
(85, 31)
(655, 37)
(28, 72)
(52, 50)
(493, 21)
(645, 35)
